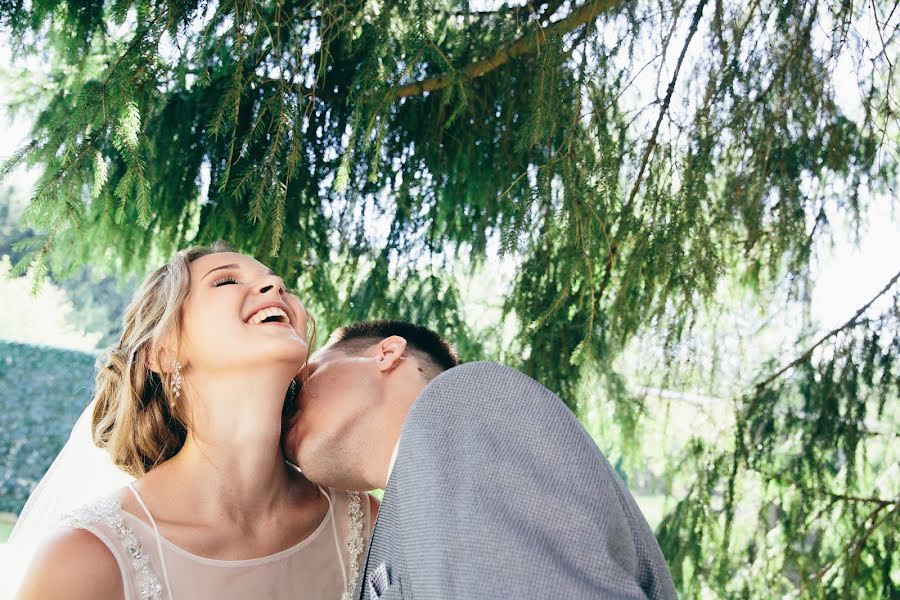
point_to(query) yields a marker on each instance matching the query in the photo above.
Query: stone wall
(42, 392)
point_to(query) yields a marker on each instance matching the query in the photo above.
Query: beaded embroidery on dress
(108, 512)
(355, 543)
(324, 565)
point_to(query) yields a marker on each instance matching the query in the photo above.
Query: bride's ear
(159, 359)
(390, 351)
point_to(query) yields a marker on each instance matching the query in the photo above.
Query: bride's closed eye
(224, 281)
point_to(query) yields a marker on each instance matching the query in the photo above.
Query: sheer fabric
(322, 566)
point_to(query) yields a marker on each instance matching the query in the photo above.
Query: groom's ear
(390, 350)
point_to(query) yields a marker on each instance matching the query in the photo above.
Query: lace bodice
(322, 566)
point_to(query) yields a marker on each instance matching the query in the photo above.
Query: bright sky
(851, 274)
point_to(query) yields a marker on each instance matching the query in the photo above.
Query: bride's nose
(271, 282)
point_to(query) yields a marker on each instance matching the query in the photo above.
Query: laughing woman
(190, 403)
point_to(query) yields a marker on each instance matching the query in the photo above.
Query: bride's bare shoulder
(72, 563)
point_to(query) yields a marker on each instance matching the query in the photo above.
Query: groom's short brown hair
(433, 352)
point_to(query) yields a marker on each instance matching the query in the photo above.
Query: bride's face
(238, 316)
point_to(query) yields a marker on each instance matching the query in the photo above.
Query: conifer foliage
(631, 157)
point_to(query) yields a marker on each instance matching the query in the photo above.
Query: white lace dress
(322, 566)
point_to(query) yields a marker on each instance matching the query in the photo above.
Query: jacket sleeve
(503, 494)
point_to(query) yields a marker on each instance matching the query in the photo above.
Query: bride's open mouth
(269, 315)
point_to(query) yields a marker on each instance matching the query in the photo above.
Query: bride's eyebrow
(232, 266)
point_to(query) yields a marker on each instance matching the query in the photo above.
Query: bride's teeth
(266, 313)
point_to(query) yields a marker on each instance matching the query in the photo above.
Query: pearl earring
(176, 380)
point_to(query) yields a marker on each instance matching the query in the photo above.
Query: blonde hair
(134, 417)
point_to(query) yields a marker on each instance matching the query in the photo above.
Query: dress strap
(334, 531)
(162, 558)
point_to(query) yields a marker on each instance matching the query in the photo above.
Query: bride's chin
(299, 349)
(287, 351)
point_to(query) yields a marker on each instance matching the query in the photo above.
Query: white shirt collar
(393, 460)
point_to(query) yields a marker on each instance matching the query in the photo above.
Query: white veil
(80, 474)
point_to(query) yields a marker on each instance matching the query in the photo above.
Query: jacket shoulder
(486, 379)
(472, 388)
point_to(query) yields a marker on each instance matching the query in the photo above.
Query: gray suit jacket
(498, 492)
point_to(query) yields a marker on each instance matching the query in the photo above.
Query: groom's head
(355, 394)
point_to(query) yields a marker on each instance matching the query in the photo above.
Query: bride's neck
(232, 462)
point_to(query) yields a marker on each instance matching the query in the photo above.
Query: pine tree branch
(873, 500)
(759, 387)
(855, 545)
(7, 166)
(784, 477)
(664, 109)
(544, 9)
(524, 45)
(301, 90)
(651, 144)
(849, 323)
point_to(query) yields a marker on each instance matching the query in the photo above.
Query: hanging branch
(524, 45)
(849, 323)
(651, 144)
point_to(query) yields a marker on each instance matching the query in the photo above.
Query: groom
(492, 489)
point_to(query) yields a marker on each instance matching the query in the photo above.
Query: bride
(189, 402)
